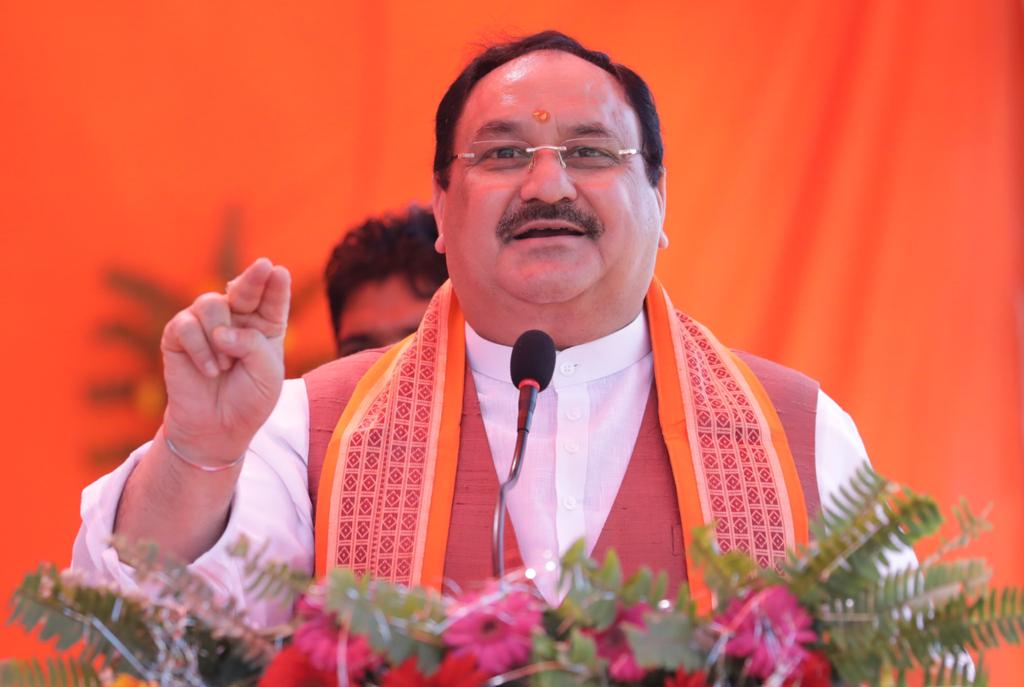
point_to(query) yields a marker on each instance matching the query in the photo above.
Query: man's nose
(547, 179)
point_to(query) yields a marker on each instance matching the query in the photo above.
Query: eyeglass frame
(557, 149)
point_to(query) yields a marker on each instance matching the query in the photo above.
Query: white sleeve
(271, 504)
(838, 452)
(838, 448)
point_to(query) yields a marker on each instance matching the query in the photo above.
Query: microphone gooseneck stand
(531, 365)
(528, 390)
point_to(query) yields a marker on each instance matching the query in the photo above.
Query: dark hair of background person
(637, 94)
(380, 248)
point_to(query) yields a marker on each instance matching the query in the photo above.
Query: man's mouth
(537, 220)
(536, 230)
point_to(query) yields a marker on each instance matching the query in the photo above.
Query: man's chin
(547, 289)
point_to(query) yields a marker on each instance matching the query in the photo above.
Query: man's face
(548, 235)
(379, 313)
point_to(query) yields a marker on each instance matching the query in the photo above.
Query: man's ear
(661, 189)
(438, 199)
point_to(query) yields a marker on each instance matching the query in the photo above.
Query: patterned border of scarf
(385, 494)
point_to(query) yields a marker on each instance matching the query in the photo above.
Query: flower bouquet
(837, 612)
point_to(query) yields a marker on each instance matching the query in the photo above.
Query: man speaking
(550, 197)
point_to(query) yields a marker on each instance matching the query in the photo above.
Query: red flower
(405, 675)
(813, 671)
(458, 671)
(768, 628)
(498, 633)
(292, 668)
(454, 671)
(613, 645)
(683, 679)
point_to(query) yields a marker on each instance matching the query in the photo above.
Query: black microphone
(532, 364)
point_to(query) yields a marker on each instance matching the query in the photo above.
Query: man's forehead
(575, 96)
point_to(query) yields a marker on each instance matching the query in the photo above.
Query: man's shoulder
(338, 377)
(769, 369)
(790, 391)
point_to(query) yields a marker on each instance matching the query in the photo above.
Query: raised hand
(224, 365)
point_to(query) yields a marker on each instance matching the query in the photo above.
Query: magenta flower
(613, 645)
(497, 633)
(768, 628)
(318, 639)
(360, 658)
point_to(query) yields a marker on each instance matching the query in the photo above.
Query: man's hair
(637, 94)
(380, 248)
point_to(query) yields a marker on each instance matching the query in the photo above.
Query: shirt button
(568, 369)
(572, 446)
(569, 503)
(574, 414)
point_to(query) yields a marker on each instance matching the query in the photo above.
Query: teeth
(538, 231)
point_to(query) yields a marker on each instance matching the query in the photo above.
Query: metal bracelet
(205, 468)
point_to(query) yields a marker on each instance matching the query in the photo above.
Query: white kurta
(584, 429)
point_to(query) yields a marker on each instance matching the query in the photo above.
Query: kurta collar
(576, 365)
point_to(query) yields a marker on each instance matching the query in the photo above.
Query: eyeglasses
(581, 154)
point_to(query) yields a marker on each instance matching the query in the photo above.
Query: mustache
(561, 211)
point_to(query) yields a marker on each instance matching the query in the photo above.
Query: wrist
(197, 455)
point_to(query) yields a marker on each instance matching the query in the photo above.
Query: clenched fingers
(245, 292)
(259, 297)
(212, 311)
(276, 296)
(184, 334)
(262, 361)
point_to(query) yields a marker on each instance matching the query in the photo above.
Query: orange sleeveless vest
(646, 496)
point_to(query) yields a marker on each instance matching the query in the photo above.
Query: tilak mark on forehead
(541, 115)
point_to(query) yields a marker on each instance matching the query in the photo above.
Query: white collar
(576, 365)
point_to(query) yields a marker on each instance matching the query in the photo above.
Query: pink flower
(318, 639)
(768, 627)
(318, 635)
(613, 645)
(497, 633)
(360, 658)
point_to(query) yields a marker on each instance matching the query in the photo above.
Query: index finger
(276, 295)
(245, 292)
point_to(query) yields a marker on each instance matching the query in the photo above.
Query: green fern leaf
(269, 580)
(395, 620)
(68, 671)
(105, 622)
(726, 574)
(666, 642)
(218, 624)
(949, 673)
(870, 520)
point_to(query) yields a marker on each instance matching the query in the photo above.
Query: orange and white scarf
(386, 490)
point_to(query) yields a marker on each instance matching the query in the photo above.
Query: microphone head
(533, 357)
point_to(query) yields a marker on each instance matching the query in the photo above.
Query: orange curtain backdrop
(845, 196)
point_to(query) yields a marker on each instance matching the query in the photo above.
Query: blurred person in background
(380, 278)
